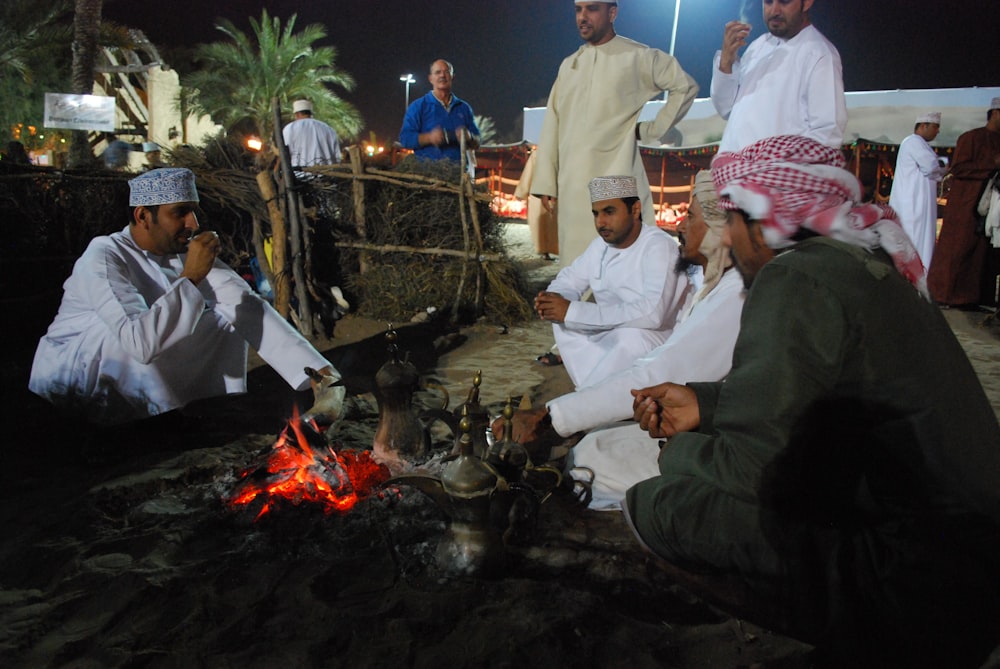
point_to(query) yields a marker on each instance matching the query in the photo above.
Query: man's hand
(551, 306)
(435, 137)
(734, 38)
(201, 253)
(666, 409)
(549, 202)
(532, 428)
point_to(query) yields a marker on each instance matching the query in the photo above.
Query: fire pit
(490, 491)
(142, 562)
(303, 468)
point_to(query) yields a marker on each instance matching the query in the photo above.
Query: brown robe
(958, 273)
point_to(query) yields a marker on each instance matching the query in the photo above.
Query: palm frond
(241, 76)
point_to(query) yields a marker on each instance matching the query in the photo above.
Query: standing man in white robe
(637, 296)
(915, 185)
(590, 126)
(700, 348)
(789, 81)
(151, 320)
(310, 141)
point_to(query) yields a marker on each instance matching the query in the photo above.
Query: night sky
(506, 52)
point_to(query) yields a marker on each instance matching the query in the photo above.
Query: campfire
(302, 467)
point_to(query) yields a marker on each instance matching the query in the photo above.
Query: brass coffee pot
(465, 492)
(400, 436)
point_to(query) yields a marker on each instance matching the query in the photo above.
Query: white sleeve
(699, 349)
(653, 286)
(142, 329)
(826, 104)
(724, 86)
(275, 340)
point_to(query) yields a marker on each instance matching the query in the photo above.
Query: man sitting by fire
(151, 320)
(619, 453)
(636, 295)
(843, 484)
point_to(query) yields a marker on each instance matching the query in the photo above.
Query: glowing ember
(301, 467)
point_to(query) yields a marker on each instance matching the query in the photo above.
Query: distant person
(592, 126)
(15, 153)
(636, 295)
(116, 154)
(435, 122)
(700, 348)
(842, 485)
(915, 185)
(154, 157)
(959, 274)
(151, 320)
(310, 141)
(789, 81)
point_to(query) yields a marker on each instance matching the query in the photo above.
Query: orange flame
(297, 471)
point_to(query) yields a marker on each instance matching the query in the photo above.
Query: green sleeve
(793, 338)
(708, 397)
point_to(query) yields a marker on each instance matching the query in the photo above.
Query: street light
(407, 79)
(673, 32)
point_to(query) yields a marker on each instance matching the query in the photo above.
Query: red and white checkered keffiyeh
(790, 182)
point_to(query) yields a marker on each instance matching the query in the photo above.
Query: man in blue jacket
(434, 123)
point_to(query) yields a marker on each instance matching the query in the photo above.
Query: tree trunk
(296, 229)
(280, 285)
(358, 193)
(86, 27)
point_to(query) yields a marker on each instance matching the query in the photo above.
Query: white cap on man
(166, 185)
(930, 117)
(612, 188)
(995, 104)
(302, 105)
(147, 147)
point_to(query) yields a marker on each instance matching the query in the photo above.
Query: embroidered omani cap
(163, 186)
(995, 103)
(612, 188)
(930, 117)
(302, 105)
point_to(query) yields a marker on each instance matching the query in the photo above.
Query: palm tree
(86, 29)
(33, 60)
(240, 77)
(23, 29)
(487, 129)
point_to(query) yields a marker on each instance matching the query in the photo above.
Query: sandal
(549, 359)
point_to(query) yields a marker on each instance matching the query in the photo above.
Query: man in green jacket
(843, 483)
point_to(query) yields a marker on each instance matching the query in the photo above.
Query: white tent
(883, 116)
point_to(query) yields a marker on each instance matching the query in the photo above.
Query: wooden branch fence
(291, 239)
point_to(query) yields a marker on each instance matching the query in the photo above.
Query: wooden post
(465, 230)
(474, 215)
(358, 192)
(305, 319)
(282, 289)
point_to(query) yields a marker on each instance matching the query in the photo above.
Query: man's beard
(683, 264)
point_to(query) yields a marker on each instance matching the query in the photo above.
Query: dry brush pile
(397, 241)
